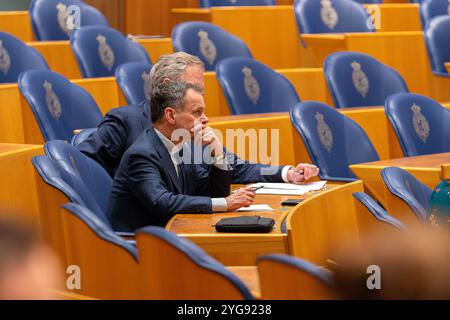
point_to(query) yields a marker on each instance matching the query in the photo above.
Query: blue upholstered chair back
(334, 16)
(100, 228)
(333, 141)
(406, 187)
(55, 174)
(429, 9)
(133, 79)
(94, 176)
(420, 123)
(82, 136)
(208, 42)
(377, 211)
(60, 107)
(100, 50)
(53, 19)
(437, 33)
(252, 87)
(17, 57)
(226, 3)
(196, 255)
(358, 80)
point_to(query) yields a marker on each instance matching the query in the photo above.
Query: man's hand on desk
(242, 197)
(302, 172)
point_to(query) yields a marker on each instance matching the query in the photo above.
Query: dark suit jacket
(121, 127)
(147, 191)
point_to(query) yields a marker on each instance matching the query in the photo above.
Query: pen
(254, 189)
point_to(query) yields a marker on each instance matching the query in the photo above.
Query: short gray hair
(172, 66)
(170, 94)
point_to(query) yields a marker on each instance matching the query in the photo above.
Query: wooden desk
(429, 169)
(447, 66)
(240, 249)
(17, 179)
(16, 23)
(399, 50)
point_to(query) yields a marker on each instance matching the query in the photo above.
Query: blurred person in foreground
(28, 269)
(410, 265)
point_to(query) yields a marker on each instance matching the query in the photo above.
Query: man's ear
(169, 114)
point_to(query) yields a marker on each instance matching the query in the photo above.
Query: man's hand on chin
(302, 173)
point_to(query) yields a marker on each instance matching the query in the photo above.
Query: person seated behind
(154, 182)
(121, 127)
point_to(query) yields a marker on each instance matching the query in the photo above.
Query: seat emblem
(207, 47)
(421, 125)
(328, 14)
(360, 80)
(64, 18)
(324, 131)
(5, 59)
(53, 104)
(147, 85)
(251, 85)
(106, 53)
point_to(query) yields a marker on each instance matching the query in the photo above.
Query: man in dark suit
(121, 126)
(154, 181)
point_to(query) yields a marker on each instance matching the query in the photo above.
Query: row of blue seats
(55, 19)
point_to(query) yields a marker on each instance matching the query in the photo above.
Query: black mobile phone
(291, 202)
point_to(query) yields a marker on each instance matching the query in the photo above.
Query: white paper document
(257, 207)
(288, 188)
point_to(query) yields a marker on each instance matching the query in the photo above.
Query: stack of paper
(288, 188)
(256, 207)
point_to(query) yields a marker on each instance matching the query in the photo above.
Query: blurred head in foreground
(28, 269)
(403, 265)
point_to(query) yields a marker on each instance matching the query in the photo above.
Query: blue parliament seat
(55, 175)
(109, 264)
(93, 175)
(16, 57)
(82, 136)
(296, 279)
(208, 42)
(133, 79)
(331, 16)
(252, 87)
(59, 106)
(359, 80)
(100, 50)
(333, 140)
(175, 268)
(430, 9)
(420, 123)
(437, 32)
(378, 214)
(412, 192)
(227, 3)
(55, 19)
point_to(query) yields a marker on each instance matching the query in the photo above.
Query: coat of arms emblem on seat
(106, 53)
(328, 14)
(5, 59)
(207, 47)
(64, 18)
(251, 85)
(360, 80)
(421, 125)
(324, 131)
(53, 104)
